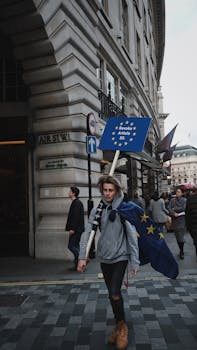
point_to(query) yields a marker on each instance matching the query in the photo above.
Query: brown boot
(122, 337)
(112, 338)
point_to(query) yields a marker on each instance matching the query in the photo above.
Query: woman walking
(158, 211)
(176, 208)
(116, 246)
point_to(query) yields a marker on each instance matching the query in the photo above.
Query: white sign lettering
(53, 138)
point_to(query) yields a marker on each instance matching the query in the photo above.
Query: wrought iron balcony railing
(108, 107)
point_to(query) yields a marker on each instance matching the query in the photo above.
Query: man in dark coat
(191, 217)
(75, 224)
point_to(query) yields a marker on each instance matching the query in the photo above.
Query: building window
(147, 75)
(136, 4)
(145, 26)
(111, 86)
(125, 24)
(138, 53)
(104, 3)
(123, 97)
(12, 87)
(111, 89)
(100, 75)
(152, 83)
(145, 22)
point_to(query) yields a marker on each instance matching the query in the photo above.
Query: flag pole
(99, 208)
(113, 167)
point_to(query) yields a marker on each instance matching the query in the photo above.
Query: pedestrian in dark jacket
(75, 224)
(176, 209)
(191, 217)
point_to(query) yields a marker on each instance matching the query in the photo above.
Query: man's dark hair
(75, 190)
(155, 196)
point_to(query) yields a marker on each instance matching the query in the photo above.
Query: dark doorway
(13, 190)
(13, 154)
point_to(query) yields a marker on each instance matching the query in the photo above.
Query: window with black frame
(12, 87)
(125, 24)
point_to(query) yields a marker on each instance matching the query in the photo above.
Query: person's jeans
(73, 246)
(113, 275)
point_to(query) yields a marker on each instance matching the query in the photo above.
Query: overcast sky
(179, 73)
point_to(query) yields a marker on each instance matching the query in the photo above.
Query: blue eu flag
(152, 246)
(125, 134)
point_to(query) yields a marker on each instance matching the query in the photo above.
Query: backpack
(152, 246)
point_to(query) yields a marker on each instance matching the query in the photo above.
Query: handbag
(168, 223)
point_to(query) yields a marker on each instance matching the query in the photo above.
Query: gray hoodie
(114, 244)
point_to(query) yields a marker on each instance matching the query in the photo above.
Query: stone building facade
(60, 61)
(184, 166)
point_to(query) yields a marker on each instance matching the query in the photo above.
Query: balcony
(108, 107)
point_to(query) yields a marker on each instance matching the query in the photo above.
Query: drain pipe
(31, 142)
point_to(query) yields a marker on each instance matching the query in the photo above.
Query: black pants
(193, 233)
(113, 275)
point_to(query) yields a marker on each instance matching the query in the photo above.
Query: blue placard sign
(91, 144)
(125, 134)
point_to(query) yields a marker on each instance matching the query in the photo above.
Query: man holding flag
(127, 234)
(117, 245)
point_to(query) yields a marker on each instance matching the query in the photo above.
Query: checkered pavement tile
(161, 314)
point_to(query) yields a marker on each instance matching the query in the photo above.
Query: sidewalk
(29, 269)
(45, 307)
(161, 314)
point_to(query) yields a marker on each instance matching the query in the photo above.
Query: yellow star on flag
(150, 229)
(161, 235)
(137, 233)
(144, 218)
